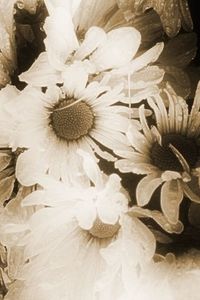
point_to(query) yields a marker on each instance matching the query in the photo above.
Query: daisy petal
(6, 188)
(94, 38)
(91, 168)
(121, 45)
(153, 73)
(59, 46)
(171, 198)
(143, 60)
(146, 188)
(41, 73)
(85, 213)
(158, 217)
(75, 78)
(29, 164)
(126, 166)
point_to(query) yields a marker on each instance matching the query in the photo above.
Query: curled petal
(171, 198)
(140, 62)
(30, 164)
(158, 217)
(6, 188)
(147, 77)
(91, 168)
(146, 188)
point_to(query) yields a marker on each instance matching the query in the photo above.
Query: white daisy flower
(82, 244)
(53, 125)
(98, 53)
(167, 153)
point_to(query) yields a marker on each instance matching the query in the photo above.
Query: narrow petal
(91, 168)
(143, 60)
(146, 188)
(75, 78)
(29, 164)
(158, 217)
(149, 76)
(35, 198)
(121, 45)
(128, 166)
(171, 198)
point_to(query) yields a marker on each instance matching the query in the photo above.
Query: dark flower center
(71, 121)
(165, 159)
(102, 231)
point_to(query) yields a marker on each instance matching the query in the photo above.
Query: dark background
(195, 13)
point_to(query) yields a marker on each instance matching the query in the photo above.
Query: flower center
(70, 120)
(164, 158)
(101, 230)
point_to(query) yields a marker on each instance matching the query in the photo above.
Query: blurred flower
(12, 219)
(7, 175)
(94, 248)
(171, 278)
(173, 14)
(8, 61)
(168, 153)
(8, 183)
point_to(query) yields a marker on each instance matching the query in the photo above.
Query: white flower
(53, 125)
(171, 278)
(112, 53)
(82, 244)
(167, 154)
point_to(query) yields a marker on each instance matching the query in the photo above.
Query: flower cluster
(99, 150)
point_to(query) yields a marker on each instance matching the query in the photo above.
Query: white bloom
(98, 53)
(82, 244)
(55, 124)
(161, 153)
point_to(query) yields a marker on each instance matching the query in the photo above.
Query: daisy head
(55, 124)
(99, 52)
(87, 236)
(167, 153)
